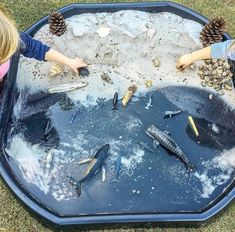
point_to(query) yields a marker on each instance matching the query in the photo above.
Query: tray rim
(24, 195)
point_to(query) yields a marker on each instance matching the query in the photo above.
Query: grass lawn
(16, 217)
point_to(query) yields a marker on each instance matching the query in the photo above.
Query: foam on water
(226, 163)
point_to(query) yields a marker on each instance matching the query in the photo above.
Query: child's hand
(75, 64)
(184, 61)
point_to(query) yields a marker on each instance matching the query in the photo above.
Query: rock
(80, 28)
(210, 84)
(207, 78)
(216, 65)
(219, 71)
(213, 61)
(156, 62)
(220, 62)
(56, 69)
(230, 75)
(228, 87)
(105, 77)
(200, 73)
(192, 67)
(227, 66)
(203, 84)
(208, 61)
(151, 32)
(224, 74)
(83, 72)
(200, 67)
(209, 67)
(148, 83)
(214, 72)
(221, 92)
(103, 31)
(108, 51)
(210, 96)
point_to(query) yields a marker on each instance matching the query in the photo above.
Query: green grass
(14, 216)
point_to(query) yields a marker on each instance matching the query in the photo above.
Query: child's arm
(35, 49)
(187, 59)
(57, 57)
(215, 51)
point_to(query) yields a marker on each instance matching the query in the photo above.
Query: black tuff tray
(164, 206)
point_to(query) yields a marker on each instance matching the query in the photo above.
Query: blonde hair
(9, 36)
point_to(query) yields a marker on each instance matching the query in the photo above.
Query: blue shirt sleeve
(223, 50)
(32, 48)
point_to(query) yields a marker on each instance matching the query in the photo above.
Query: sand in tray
(123, 45)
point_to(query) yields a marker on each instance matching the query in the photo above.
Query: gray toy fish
(167, 142)
(170, 114)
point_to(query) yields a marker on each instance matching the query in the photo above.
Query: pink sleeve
(4, 69)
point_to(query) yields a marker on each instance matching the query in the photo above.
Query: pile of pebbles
(216, 74)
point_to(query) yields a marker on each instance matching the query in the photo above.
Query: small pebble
(156, 62)
(192, 67)
(148, 83)
(224, 74)
(83, 72)
(203, 84)
(221, 92)
(210, 96)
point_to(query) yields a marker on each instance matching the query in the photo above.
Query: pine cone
(57, 24)
(213, 32)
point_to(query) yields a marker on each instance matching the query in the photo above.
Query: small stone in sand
(156, 62)
(83, 72)
(151, 32)
(148, 83)
(210, 96)
(192, 67)
(103, 31)
(56, 69)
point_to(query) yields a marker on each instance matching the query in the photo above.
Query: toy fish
(115, 101)
(105, 77)
(103, 174)
(84, 161)
(167, 142)
(117, 168)
(48, 128)
(146, 147)
(170, 114)
(67, 87)
(71, 120)
(48, 158)
(130, 92)
(94, 167)
(149, 102)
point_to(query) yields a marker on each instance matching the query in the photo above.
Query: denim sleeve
(223, 50)
(32, 48)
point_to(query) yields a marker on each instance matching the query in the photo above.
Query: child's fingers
(81, 62)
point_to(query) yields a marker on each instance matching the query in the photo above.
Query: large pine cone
(213, 32)
(57, 24)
